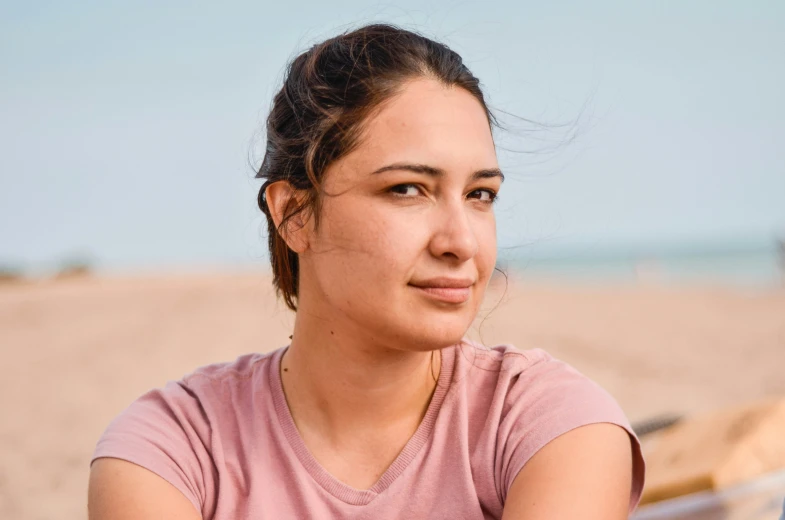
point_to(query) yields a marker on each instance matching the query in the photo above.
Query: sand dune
(77, 351)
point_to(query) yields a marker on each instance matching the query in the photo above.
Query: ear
(281, 199)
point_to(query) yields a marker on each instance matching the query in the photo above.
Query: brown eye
(483, 195)
(405, 190)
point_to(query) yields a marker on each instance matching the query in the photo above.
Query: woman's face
(406, 241)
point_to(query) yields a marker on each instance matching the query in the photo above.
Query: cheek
(378, 244)
(486, 246)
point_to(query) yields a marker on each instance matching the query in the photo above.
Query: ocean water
(760, 266)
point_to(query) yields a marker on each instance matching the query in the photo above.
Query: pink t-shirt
(224, 436)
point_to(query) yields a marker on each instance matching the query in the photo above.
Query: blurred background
(642, 223)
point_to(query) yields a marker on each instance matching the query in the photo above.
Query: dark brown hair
(316, 117)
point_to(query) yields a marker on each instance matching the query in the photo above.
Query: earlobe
(282, 199)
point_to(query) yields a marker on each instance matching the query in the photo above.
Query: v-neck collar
(335, 487)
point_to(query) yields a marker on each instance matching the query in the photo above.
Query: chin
(434, 332)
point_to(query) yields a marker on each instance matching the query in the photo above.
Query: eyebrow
(432, 171)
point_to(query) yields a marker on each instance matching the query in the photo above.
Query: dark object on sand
(647, 426)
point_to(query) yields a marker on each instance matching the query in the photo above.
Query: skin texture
(411, 203)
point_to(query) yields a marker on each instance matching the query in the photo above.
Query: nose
(453, 236)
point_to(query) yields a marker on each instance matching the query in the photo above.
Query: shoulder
(201, 394)
(528, 376)
(532, 374)
(197, 398)
(531, 398)
(173, 431)
(505, 357)
(242, 368)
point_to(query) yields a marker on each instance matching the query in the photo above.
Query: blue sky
(128, 130)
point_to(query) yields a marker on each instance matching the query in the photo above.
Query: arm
(154, 459)
(120, 490)
(585, 473)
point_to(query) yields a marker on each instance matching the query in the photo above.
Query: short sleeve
(167, 432)
(545, 399)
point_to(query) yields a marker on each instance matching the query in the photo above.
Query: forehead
(426, 123)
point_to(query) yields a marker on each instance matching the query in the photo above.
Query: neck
(339, 383)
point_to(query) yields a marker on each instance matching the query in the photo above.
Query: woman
(381, 175)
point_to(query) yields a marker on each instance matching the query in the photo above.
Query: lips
(448, 290)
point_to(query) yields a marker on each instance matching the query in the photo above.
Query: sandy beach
(76, 351)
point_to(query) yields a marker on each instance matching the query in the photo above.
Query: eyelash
(493, 195)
